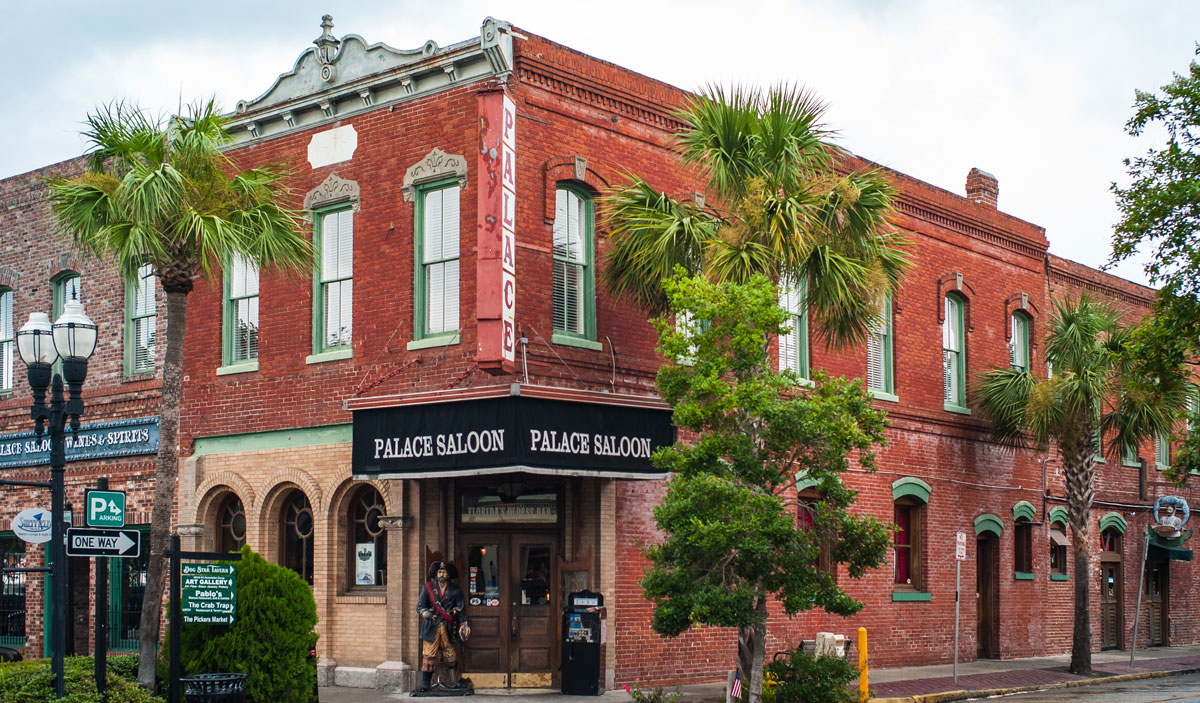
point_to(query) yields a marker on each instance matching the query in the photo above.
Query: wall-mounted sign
(33, 525)
(364, 563)
(209, 593)
(512, 433)
(96, 440)
(105, 508)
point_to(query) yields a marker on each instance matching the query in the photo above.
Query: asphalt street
(1173, 689)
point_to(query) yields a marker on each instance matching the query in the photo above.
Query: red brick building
(38, 272)
(451, 383)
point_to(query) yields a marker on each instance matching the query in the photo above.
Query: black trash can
(215, 688)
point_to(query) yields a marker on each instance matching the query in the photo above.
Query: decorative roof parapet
(337, 78)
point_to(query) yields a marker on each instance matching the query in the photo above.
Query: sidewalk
(910, 684)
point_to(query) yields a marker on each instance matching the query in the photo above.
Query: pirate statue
(443, 625)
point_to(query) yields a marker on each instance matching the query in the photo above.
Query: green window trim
(141, 313)
(1162, 452)
(880, 369)
(989, 524)
(954, 356)
(1024, 509)
(584, 326)
(793, 346)
(1018, 343)
(321, 282)
(240, 306)
(1022, 576)
(67, 285)
(422, 267)
(910, 486)
(1060, 577)
(1129, 455)
(8, 347)
(1114, 520)
(911, 596)
(1058, 514)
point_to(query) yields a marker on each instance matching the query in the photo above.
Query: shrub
(804, 677)
(33, 682)
(654, 695)
(270, 639)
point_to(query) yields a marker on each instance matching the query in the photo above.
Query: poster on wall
(364, 553)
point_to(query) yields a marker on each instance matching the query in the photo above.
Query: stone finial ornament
(327, 49)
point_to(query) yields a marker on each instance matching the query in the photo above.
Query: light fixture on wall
(510, 489)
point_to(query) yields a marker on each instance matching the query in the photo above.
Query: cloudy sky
(1036, 93)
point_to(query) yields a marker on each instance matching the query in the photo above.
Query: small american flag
(735, 691)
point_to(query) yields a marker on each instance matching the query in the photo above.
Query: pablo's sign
(512, 433)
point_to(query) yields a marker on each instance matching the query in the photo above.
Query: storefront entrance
(1111, 591)
(1156, 603)
(986, 601)
(508, 580)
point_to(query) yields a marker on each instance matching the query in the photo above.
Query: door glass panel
(535, 583)
(483, 574)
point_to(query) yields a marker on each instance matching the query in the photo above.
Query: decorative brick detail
(982, 188)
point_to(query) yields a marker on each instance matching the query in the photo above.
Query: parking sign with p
(105, 508)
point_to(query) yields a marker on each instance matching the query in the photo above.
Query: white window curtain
(243, 309)
(337, 277)
(793, 345)
(143, 319)
(439, 260)
(952, 352)
(570, 261)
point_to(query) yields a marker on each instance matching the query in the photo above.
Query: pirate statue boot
(426, 680)
(453, 681)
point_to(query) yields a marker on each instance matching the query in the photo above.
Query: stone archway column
(398, 673)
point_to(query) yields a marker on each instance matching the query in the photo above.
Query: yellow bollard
(862, 665)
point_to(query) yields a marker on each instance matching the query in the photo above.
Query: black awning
(509, 433)
(1158, 552)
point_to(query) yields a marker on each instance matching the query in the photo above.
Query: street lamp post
(73, 338)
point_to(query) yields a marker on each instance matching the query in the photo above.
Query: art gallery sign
(509, 433)
(94, 441)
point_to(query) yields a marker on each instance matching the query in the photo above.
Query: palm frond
(1006, 397)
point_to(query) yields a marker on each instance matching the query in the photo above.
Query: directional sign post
(95, 542)
(106, 508)
(209, 593)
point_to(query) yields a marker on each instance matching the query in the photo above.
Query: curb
(946, 696)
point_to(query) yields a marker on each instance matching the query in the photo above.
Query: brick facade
(265, 434)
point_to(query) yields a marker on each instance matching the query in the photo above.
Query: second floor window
(6, 340)
(335, 291)
(1018, 342)
(879, 353)
(141, 313)
(954, 391)
(1162, 451)
(241, 310)
(437, 259)
(574, 300)
(793, 346)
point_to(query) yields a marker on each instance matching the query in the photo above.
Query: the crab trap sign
(209, 593)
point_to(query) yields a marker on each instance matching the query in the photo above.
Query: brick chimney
(982, 188)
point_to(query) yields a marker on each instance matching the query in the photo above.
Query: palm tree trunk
(164, 486)
(1080, 473)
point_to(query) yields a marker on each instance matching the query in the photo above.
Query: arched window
(231, 524)
(296, 535)
(574, 274)
(1023, 547)
(1058, 549)
(1110, 541)
(910, 496)
(67, 286)
(1018, 342)
(367, 539)
(954, 356)
(6, 340)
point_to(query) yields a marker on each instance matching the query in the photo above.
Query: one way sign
(94, 542)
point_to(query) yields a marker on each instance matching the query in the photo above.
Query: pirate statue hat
(451, 570)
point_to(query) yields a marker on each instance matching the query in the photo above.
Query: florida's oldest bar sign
(495, 435)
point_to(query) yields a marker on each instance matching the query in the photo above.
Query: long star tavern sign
(99, 542)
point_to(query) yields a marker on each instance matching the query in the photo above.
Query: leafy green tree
(160, 192)
(731, 537)
(1160, 213)
(270, 639)
(1103, 384)
(779, 207)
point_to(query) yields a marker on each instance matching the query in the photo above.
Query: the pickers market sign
(510, 433)
(94, 441)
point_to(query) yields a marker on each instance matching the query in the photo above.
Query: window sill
(573, 341)
(330, 355)
(884, 395)
(1022, 576)
(139, 375)
(1059, 577)
(1131, 464)
(911, 596)
(360, 599)
(1161, 467)
(445, 340)
(951, 408)
(239, 367)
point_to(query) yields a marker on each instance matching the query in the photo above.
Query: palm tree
(1100, 385)
(158, 191)
(782, 208)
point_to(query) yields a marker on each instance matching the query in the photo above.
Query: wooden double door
(986, 599)
(1156, 599)
(509, 581)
